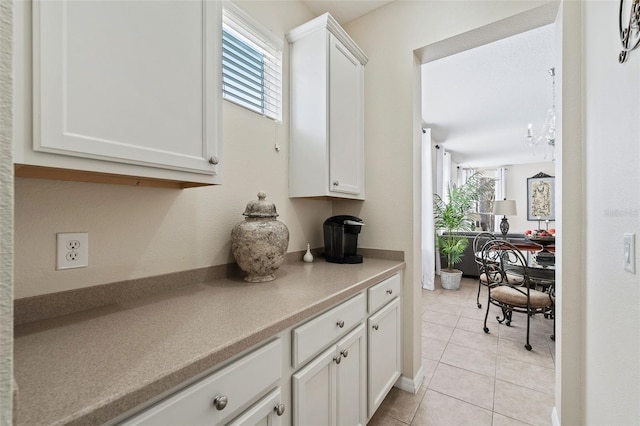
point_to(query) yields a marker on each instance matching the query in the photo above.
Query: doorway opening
(449, 121)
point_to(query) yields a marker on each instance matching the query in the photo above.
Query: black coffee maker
(341, 239)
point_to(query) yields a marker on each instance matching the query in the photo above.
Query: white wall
(179, 230)
(389, 36)
(598, 344)
(137, 232)
(6, 217)
(612, 151)
(517, 175)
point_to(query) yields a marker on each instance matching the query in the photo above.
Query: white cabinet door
(352, 379)
(346, 147)
(331, 389)
(384, 352)
(314, 391)
(266, 412)
(133, 82)
(326, 157)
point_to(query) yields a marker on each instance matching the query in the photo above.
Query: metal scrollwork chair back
(508, 294)
(478, 243)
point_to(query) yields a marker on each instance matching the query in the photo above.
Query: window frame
(256, 38)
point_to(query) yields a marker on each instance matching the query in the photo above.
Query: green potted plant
(452, 216)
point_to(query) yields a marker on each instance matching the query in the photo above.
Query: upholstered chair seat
(512, 296)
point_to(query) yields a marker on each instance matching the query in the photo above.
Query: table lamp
(504, 207)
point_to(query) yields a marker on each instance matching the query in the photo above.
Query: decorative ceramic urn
(259, 243)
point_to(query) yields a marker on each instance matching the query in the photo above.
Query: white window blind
(251, 64)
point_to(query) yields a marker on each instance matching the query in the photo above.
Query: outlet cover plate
(629, 253)
(72, 250)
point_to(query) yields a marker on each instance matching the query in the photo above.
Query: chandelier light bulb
(548, 131)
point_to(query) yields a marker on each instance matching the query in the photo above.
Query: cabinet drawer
(242, 383)
(313, 336)
(384, 292)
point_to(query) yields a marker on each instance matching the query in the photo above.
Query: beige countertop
(90, 366)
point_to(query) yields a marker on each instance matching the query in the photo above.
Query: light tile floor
(473, 378)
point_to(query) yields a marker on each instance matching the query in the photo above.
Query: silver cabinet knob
(340, 323)
(344, 353)
(336, 183)
(213, 160)
(279, 409)
(220, 402)
(337, 359)
(375, 327)
(389, 291)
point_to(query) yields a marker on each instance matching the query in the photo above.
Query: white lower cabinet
(217, 398)
(334, 369)
(267, 412)
(316, 334)
(383, 353)
(351, 379)
(331, 389)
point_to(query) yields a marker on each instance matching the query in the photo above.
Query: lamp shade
(504, 207)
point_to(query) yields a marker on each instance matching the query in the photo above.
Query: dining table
(540, 263)
(542, 268)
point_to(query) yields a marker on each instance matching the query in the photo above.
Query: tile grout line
(418, 406)
(456, 299)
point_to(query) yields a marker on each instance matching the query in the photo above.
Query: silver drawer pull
(344, 353)
(214, 160)
(375, 327)
(337, 359)
(336, 183)
(279, 409)
(220, 402)
(340, 323)
(389, 291)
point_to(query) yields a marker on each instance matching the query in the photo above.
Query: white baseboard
(410, 385)
(555, 421)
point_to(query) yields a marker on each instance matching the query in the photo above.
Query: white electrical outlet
(72, 250)
(629, 253)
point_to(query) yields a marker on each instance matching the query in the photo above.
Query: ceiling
(345, 10)
(478, 103)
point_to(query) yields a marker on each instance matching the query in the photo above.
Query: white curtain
(464, 174)
(429, 186)
(500, 191)
(445, 158)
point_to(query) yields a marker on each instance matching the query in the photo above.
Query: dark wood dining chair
(512, 295)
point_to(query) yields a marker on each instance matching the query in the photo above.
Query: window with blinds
(251, 64)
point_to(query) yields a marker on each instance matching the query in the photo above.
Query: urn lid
(260, 207)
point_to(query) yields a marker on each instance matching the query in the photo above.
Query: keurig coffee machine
(341, 239)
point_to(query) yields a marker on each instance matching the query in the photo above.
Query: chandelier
(547, 135)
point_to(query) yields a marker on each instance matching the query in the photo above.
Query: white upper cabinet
(120, 87)
(327, 112)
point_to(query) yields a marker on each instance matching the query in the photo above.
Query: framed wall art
(541, 192)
